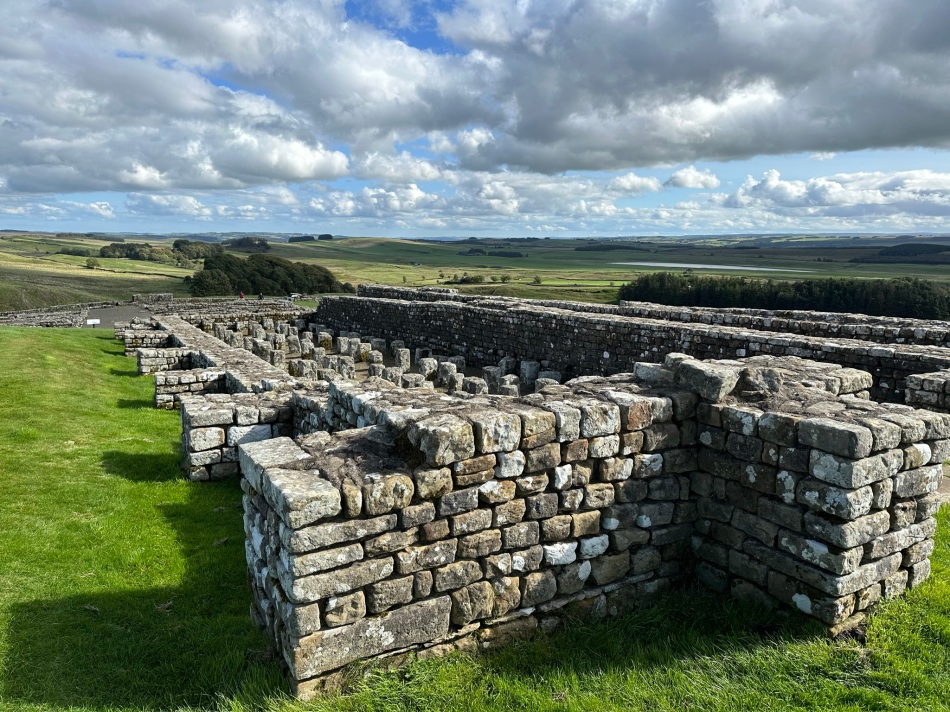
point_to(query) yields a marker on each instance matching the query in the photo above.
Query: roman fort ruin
(425, 471)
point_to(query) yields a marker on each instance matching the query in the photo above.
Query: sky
(555, 118)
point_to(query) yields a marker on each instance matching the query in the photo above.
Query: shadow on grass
(129, 372)
(153, 467)
(153, 648)
(135, 403)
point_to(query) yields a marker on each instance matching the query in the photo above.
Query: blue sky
(476, 117)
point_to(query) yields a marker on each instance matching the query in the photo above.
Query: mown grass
(122, 587)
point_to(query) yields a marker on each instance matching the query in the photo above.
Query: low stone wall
(61, 316)
(861, 327)
(579, 342)
(929, 390)
(213, 426)
(447, 522)
(463, 520)
(170, 386)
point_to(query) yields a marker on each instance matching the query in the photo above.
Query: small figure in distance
(241, 295)
(260, 297)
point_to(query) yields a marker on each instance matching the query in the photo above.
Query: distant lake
(697, 265)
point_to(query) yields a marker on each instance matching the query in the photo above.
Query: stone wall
(464, 520)
(863, 327)
(62, 316)
(213, 426)
(450, 522)
(575, 342)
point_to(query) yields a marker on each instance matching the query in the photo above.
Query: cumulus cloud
(692, 177)
(632, 183)
(167, 205)
(904, 193)
(537, 113)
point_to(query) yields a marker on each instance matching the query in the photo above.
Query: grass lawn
(122, 587)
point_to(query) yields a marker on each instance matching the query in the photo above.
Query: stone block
(330, 649)
(845, 472)
(843, 503)
(538, 588)
(308, 589)
(495, 431)
(838, 438)
(384, 493)
(443, 439)
(472, 602)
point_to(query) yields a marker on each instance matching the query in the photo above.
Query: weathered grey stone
(901, 539)
(432, 483)
(443, 439)
(255, 457)
(611, 567)
(560, 553)
(510, 464)
(924, 480)
(711, 381)
(507, 594)
(343, 610)
(456, 575)
(330, 649)
(824, 581)
(495, 431)
(473, 602)
(300, 497)
(538, 587)
(384, 595)
(330, 533)
(238, 435)
(458, 501)
(847, 534)
(390, 541)
(297, 565)
(845, 439)
(206, 438)
(843, 503)
(334, 583)
(521, 535)
(591, 547)
(384, 493)
(416, 558)
(842, 561)
(599, 418)
(852, 474)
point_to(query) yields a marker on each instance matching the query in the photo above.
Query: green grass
(33, 275)
(122, 587)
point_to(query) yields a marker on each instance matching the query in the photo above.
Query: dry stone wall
(863, 327)
(581, 342)
(423, 509)
(453, 521)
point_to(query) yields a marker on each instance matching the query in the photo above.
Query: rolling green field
(32, 274)
(122, 588)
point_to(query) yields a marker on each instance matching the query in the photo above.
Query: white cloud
(632, 183)
(692, 177)
(167, 205)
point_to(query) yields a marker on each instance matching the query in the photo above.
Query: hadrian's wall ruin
(581, 339)
(407, 492)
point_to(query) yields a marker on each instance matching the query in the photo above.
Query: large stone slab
(330, 649)
(258, 456)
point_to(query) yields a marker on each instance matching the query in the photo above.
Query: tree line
(903, 296)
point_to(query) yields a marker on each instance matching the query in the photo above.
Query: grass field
(122, 588)
(33, 275)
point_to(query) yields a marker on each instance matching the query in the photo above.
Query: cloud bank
(476, 113)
